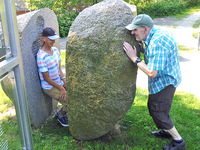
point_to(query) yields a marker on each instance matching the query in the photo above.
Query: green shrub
(65, 21)
(190, 3)
(160, 8)
(61, 9)
(155, 8)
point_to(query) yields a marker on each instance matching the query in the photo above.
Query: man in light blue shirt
(51, 75)
(163, 70)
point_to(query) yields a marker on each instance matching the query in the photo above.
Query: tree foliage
(62, 10)
(160, 8)
(155, 8)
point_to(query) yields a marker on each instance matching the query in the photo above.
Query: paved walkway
(189, 61)
(181, 28)
(63, 43)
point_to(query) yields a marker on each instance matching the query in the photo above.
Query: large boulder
(101, 80)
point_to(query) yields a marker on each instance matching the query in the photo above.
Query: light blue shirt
(50, 63)
(161, 54)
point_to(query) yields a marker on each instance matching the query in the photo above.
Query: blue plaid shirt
(161, 54)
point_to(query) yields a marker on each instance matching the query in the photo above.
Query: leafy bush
(61, 9)
(65, 21)
(155, 8)
(190, 3)
(162, 8)
(159, 8)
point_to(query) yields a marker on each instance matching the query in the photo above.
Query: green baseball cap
(141, 20)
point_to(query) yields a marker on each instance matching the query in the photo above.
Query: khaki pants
(54, 93)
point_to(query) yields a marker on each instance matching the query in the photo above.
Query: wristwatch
(138, 60)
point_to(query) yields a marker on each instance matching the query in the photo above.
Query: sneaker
(63, 121)
(66, 116)
(175, 146)
(59, 114)
(161, 134)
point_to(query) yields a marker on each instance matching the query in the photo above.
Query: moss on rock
(101, 80)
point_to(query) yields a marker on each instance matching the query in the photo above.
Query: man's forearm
(145, 69)
(50, 81)
(53, 83)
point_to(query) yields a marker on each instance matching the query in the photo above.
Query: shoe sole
(64, 125)
(180, 147)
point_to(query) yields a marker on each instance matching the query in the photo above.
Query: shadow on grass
(52, 126)
(136, 127)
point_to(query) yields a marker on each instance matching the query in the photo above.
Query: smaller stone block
(30, 26)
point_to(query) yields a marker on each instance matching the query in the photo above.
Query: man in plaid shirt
(163, 70)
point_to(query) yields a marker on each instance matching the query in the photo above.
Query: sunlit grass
(63, 54)
(8, 122)
(5, 102)
(196, 29)
(185, 48)
(136, 127)
(187, 12)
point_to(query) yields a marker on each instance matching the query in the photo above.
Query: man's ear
(42, 37)
(146, 28)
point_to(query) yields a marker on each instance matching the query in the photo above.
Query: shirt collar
(149, 36)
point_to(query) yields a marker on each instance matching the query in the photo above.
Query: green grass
(186, 12)
(185, 48)
(11, 133)
(136, 128)
(5, 102)
(195, 33)
(8, 123)
(196, 24)
(63, 53)
(196, 29)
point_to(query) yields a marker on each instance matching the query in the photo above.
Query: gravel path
(63, 43)
(181, 29)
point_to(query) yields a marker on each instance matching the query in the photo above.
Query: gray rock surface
(101, 80)
(30, 26)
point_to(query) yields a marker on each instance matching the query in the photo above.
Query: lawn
(136, 128)
(196, 29)
(63, 53)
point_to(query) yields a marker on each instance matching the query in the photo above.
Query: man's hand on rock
(130, 51)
